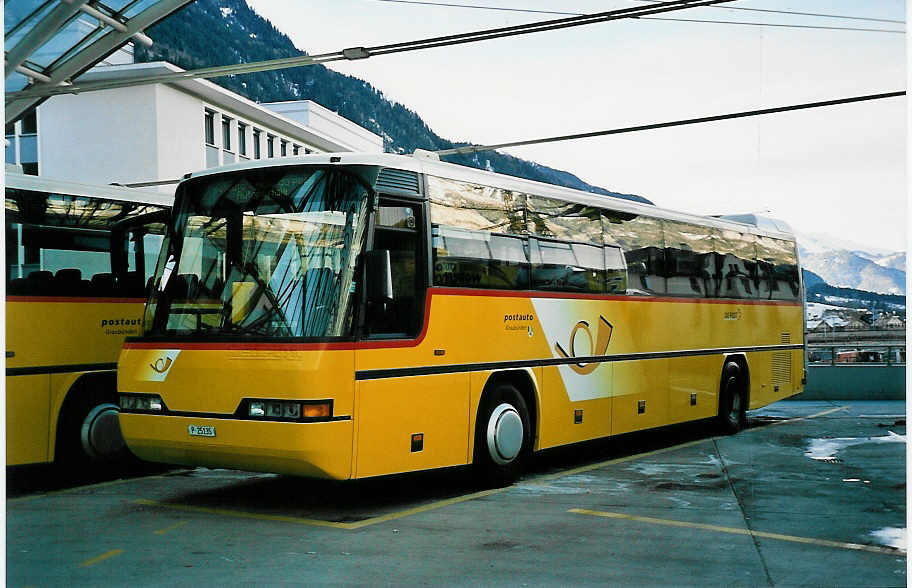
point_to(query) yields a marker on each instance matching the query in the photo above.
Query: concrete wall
(180, 133)
(324, 120)
(854, 382)
(100, 137)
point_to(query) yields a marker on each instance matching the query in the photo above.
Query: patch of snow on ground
(891, 536)
(826, 449)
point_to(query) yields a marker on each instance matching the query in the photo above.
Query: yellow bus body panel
(55, 335)
(433, 385)
(316, 450)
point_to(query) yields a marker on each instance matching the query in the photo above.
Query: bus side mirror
(379, 279)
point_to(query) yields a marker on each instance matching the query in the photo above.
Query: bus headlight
(147, 402)
(288, 410)
(257, 410)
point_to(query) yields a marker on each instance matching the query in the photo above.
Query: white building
(160, 131)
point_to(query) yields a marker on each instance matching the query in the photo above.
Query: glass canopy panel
(73, 34)
(136, 7)
(15, 81)
(24, 14)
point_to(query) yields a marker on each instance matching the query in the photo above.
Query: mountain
(847, 264)
(847, 269)
(895, 261)
(819, 242)
(234, 33)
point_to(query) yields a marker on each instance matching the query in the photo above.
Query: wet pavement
(813, 494)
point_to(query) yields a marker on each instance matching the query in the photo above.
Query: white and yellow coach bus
(348, 316)
(77, 261)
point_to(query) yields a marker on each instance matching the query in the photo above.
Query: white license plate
(201, 431)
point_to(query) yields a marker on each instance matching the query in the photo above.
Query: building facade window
(256, 143)
(295, 149)
(210, 127)
(30, 124)
(242, 139)
(284, 147)
(226, 133)
(270, 145)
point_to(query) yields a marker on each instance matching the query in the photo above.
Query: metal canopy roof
(50, 42)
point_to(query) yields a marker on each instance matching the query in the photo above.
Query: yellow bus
(78, 258)
(348, 315)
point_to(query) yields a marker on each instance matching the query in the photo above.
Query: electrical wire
(728, 22)
(677, 123)
(354, 53)
(841, 16)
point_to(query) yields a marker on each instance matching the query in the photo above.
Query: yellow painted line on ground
(602, 464)
(440, 503)
(171, 528)
(318, 522)
(100, 558)
(736, 531)
(813, 416)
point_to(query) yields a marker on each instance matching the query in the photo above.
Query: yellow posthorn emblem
(161, 365)
(602, 339)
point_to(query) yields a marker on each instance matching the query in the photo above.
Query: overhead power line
(676, 123)
(727, 22)
(840, 16)
(355, 53)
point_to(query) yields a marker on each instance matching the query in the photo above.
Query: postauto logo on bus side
(599, 347)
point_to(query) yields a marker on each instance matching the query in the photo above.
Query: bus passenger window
(567, 267)
(616, 270)
(396, 231)
(479, 259)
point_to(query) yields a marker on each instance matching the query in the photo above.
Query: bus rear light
(317, 410)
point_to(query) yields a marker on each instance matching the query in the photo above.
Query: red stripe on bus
(436, 291)
(614, 297)
(85, 299)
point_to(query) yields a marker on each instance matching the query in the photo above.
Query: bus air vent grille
(782, 363)
(398, 180)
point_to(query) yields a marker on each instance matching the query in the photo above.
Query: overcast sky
(838, 171)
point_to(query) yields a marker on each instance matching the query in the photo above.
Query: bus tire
(503, 436)
(732, 400)
(88, 435)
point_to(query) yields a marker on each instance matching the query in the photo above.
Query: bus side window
(396, 230)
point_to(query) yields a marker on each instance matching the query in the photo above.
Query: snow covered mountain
(843, 263)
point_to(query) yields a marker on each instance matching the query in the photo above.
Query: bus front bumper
(317, 449)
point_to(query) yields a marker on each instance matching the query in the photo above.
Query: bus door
(405, 421)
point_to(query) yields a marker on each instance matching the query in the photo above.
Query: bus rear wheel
(732, 400)
(503, 436)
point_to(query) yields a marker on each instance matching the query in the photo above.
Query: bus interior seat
(69, 282)
(183, 286)
(103, 284)
(40, 283)
(18, 287)
(130, 285)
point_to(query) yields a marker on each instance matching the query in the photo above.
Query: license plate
(201, 431)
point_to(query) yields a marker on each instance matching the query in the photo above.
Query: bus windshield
(263, 253)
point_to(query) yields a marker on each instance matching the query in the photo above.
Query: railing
(857, 354)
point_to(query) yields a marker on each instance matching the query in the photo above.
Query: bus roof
(44, 184)
(741, 223)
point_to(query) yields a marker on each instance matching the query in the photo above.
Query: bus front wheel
(503, 436)
(732, 400)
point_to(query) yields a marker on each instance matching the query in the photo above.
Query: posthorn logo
(597, 347)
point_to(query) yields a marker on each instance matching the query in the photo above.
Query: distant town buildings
(160, 132)
(830, 319)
